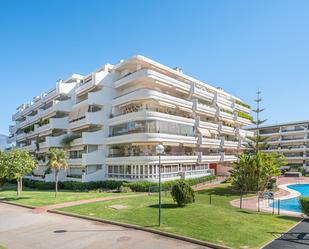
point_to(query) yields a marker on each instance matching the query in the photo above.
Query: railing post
(258, 203)
(240, 201)
(273, 206)
(210, 198)
(278, 206)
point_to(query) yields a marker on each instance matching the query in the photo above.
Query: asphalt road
(22, 229)
(296, 238)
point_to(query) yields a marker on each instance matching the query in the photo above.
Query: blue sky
(237, 45)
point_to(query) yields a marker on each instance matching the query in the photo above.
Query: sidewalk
(251, 202)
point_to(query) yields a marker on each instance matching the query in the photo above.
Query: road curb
(18, 204)
(146, 229)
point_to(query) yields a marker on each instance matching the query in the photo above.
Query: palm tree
(57, 161)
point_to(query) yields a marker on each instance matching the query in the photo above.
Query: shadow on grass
(244, 212)
(13, 198)
(167, 205)
(221, 191)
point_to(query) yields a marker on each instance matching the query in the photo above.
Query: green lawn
(219, 222)
(46, 197)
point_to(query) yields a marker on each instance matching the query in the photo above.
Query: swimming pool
(292, 204)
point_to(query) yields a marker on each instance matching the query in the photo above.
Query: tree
(56, 161)
(18, 163)
(257, 142)
(254, 172)
(3, 168)
(243, 173)
(182, 193)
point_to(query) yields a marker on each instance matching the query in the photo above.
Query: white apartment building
(290, 139)
(119, 113)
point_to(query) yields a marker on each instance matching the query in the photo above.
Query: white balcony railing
(91, 118)
(52, 142)
(156, 77)
(54, 123)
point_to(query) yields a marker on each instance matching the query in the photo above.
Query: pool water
(292, 204)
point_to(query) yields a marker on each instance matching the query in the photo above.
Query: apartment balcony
(226, 116)
(297, 149)
(51, 142)
(227, 130)
(149, 115)
(58, 106)
(295, 158)
(91, 138)
(29, 120)
(147, 94)
(244, 133)
(216, 158)
(273, 134)
(152, 77)
(90, 119)
(54, 123)
(209, 142)
(224, 102)
(243, 121)
(150, 160)
(293, 132)
(229, 144)
(202, 92)
(242, 108)
(74, 161)
(150, 137)
(96, 98)
(229, 158)
(20, 137)
(212, 127)
(31, 147)
(90, 84)
(91, 158)
(39, 101)
(292, 141)
(206, 110)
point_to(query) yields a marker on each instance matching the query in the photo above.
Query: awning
(78, 147)
(203, 131)
(189, 145)
(170, 144)
(213, 131)
(162, 103)
(78, 112)
(184, 109)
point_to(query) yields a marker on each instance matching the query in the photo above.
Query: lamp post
(159, 151)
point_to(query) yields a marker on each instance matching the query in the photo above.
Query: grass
(218, 222)
(2, 247)
(39, 198)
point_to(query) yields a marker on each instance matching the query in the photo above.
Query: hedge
(304, 204)
(138, 186)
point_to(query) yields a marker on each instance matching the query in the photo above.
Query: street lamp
(159, 151)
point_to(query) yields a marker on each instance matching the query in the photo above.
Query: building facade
(111, 120)
(3, 142)
(290, 140)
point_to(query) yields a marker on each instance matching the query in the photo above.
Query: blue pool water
(293, 204)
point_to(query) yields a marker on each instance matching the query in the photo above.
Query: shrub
(304, 204)
(244, 115)
(125, 189)
(243, 104)
(182, 193)
(139, 186)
